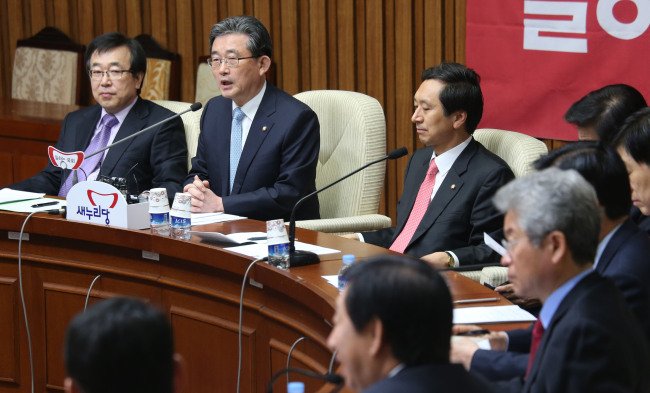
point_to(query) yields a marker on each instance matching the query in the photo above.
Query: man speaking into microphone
(446, 205)
(116, 66)
(258, 148)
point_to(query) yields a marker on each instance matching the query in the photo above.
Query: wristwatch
(451, 262)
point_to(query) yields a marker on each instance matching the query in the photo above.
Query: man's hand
(352, 236)
(498, 340)
(437, 259)
(462, 351)
(508, 292)
(203, 199)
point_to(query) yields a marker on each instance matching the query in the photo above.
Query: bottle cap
(348, 259)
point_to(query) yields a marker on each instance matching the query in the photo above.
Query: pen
(44, 204)
(482, 300)
(256, 238)
(478, 332)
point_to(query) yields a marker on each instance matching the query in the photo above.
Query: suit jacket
(160, 153)
(278, 162)
(625, 261)
(439, 378)
(593, 343)
(641, 220)
(460, 211)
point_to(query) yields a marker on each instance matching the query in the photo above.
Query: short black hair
(635, 136)
(606, 109)
(120, 345)
(602, 167)
(462, 91)
(259, 40)
(108, 41)
(410, 299)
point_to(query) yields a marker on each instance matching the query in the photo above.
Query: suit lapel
(134, 122)
(560, 313)
(261, 127)
(447, 191)
(83, 136)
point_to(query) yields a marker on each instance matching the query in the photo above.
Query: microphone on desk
(329, 377)
(193, 108)
(304, 258)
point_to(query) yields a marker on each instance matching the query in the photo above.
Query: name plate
(100, 203)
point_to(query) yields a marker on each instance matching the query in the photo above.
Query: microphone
(332, 378)
(304, 258)
(193, 108)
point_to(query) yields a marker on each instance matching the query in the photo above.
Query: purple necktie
(100, 140)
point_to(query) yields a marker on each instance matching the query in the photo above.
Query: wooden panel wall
(376, 47)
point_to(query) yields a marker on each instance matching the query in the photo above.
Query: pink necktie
(419, 208)
(538, 332)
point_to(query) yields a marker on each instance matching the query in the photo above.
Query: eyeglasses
(228, 61)
(508, 244)
(97, 75)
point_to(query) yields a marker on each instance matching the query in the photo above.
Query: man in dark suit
(623, 253)
(586, 338)
(258, 147)
(121, 345)
(157, 158)
(446, 204)
(392, 329)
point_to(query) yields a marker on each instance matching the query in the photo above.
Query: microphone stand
(299, 258)
(330, 378)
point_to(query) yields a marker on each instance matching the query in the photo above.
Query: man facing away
(446, 205)
(392, 329)
(259, 146)
(116, 66)
(121, 345)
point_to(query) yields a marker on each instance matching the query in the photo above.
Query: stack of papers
(211, 218)
(494, 314)
(25, 202)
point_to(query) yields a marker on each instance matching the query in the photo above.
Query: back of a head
(635, 136)
(555, 200)
(110, 41)
(120, 345)
(602, 167)
(462, 91)
(605, 110)
(259, 39)
(411, 300)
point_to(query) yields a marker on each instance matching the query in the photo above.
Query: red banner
(536, 58)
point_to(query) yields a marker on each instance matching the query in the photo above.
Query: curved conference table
(197, 284)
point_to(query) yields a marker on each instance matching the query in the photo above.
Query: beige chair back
(191, 122)
(353, 133)
(516, 149)
(206, 86)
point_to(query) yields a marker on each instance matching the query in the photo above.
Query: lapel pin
(453, 186)
(264, 129)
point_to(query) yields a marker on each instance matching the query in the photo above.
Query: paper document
(261, 250)
(211, 218)
(495, 314)
(9, 195)
(334, 280)
(493, 244)
(26, 206)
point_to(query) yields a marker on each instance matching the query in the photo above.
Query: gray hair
(259, 40)
(555, 199)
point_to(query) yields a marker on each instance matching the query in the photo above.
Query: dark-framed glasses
(97, 75)
(228, 61)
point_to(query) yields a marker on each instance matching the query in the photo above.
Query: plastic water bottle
(159, 211)
(295, 387)
(278, 242)
(181, 216)
(348, 260)
(180, 227)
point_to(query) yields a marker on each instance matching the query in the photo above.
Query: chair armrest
(366, 222)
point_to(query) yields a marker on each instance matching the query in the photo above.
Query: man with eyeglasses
(586, 339)
(259, 146)
(158, 158)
